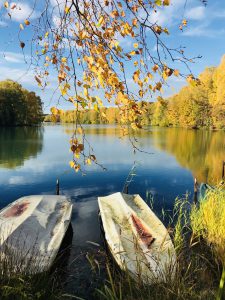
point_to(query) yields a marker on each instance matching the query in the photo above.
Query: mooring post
(195, 190)
(57, 187)
(223, 165)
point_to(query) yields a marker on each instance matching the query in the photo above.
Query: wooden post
(195, 190)
(223, 166)
(126, 189)
(57, 187)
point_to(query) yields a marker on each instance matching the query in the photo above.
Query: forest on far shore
(200, 105)
(19, 106)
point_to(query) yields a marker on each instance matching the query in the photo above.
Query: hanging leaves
(101, 48)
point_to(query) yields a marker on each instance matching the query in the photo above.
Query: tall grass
(208, 221)
(21, 272)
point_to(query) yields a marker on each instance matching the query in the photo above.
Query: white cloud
(203, 31)
(169, 15)
(18, 74)
(12, 57)
(22, 11)
(196, 13)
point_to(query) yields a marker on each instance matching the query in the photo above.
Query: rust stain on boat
(142, 231)
(16, 210)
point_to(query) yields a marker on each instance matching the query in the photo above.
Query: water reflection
(18, 144)
(200, 151)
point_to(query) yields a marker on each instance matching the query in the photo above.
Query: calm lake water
(31, 159)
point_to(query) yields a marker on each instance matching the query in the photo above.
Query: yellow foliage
(72, 164)
(209, 220)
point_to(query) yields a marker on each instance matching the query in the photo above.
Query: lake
(31, 159)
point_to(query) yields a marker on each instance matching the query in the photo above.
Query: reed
(208, 221)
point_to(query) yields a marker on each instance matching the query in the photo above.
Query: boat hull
(32, 229)
(137, 239)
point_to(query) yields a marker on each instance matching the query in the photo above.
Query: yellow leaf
(158, 2)
(21, 27)
(134, 22)
(96, 107)
(85, 92)
(150, 75)
(132, 53)
(64, 60)
(27, 22)
(101, 20)
(155, 68)
(135, 45)
(67, 9)
(166, 2)
(184, 22)
(176, 73)
(77, 155)
(88, 161)
(6, 4)
(72, 164)
(158, 86)
(166, 30)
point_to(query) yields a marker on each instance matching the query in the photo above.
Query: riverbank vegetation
(197, 105)
(18, 106)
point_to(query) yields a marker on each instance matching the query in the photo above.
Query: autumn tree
(200, 104)
(218, 96)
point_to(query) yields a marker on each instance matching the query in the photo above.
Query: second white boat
(137, 239)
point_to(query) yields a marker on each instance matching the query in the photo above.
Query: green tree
(18, 106)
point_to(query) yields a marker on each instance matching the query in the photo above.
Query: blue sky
(204, 35)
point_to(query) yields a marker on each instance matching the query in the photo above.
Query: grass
(20, 272)
(208, 221)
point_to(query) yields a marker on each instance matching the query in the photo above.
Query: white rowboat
(31, 231)
(137, 239)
